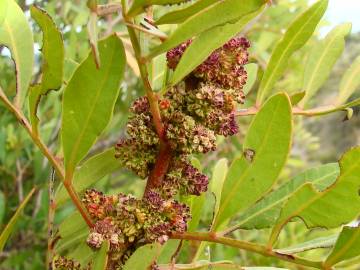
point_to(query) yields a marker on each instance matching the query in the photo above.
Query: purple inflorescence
(193, 113)
(224, 67)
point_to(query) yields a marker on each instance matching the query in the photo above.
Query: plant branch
(158, 34)
(201, 265)
(309, 113)
(164, 156)
(103, 10)
(46, 152)
(252, 247)
(51, 216)
(152, 97)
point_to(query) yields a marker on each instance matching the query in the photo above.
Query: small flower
(140, 128)
(135, 156)
(95, 240)
(173, 56)
(163, 239)
(63, 263)
(196, 182)
(223, 67)
(140, 105)
(155, 200)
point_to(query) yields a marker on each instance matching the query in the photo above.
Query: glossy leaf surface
(15, 33)
(89, 100)
(265, 152)
(298, 33)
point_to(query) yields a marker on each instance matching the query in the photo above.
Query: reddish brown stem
(164, 156)
(160, 168)
(76, 200)
(46, 152)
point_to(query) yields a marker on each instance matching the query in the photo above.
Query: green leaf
(179, 16)
(168, 251)
(3, 11)
(350, 82)
(217, 181)
(2, 207)
(73, 224)
(143, 257)
(53, 62)
(89, 100)
(72, 241)
(346, 247)
(139, 5)
(297, 97)
(220, 13)
(252, 71)
(16, 34)
(196, 204)
(322, 59)
(101, 257)
(320, 242)
(266, 149)
(203, 45)
(295, 37)
(93, 37)
(263, 268)
(265, 212)
(9, 228)
(82, 253)
(158, 72)
(73, 230)
(89, 173)
(219, 265)
(312, 206)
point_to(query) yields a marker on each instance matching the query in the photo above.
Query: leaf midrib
(79, 138)
(350, 80)
(344, 249)
(15, 52)
(281, 200)
(319, 195)
(285, 52)
(318, 64)
(247, 170)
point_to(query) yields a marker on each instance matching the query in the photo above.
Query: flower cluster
(193, 113)
(126, 221)
(224, 66)
(62, 263)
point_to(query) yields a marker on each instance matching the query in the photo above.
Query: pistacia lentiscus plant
(196, 67)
